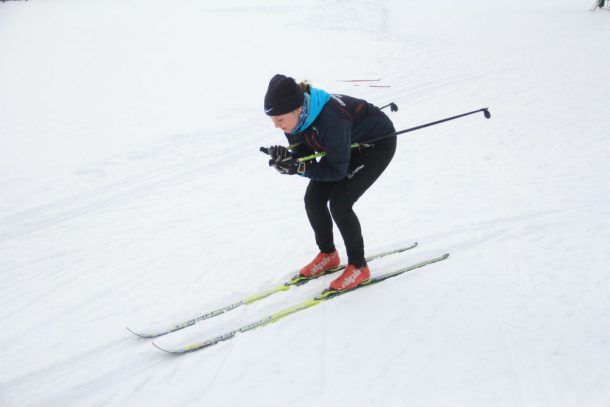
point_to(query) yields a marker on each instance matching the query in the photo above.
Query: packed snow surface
(132, 193)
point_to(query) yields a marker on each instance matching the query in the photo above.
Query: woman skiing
(315, 121)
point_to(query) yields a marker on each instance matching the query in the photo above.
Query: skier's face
(286, 122)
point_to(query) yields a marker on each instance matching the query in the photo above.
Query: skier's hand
(279, 153)
(284, 161)
(281, 159)
(289, 167)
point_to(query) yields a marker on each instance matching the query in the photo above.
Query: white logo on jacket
(338, 99)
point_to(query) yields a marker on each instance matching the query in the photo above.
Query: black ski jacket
(344, 120)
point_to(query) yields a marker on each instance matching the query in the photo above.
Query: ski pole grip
(393, 107)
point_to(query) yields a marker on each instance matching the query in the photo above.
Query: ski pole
(485, 111)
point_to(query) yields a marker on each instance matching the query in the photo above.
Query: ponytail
(305, 86)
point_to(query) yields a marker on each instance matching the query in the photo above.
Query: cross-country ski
(297, 280)
(324, 296)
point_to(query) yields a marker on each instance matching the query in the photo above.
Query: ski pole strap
(485, 111)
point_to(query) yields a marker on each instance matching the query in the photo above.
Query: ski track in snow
(133, 194)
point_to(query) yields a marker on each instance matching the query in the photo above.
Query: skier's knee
(339, 208)
(313, 204)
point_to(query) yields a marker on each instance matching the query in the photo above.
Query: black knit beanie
(283, 96)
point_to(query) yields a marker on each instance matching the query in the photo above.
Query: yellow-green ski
(324, 296)
(294, 281)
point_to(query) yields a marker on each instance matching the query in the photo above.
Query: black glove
(284, 161)
(290, 167)
(279, 153)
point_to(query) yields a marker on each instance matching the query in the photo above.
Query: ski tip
(143, 336)
(163, 349)
(444, 256)
(135, 333)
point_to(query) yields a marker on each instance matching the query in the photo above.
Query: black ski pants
(328, 201)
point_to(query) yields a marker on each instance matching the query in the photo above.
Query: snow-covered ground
(132, 193)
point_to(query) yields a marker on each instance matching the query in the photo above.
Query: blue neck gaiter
(312, 106)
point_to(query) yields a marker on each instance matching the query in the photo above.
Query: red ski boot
(321, 264)
(351, 277)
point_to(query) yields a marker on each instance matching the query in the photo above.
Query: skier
(315, 121)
